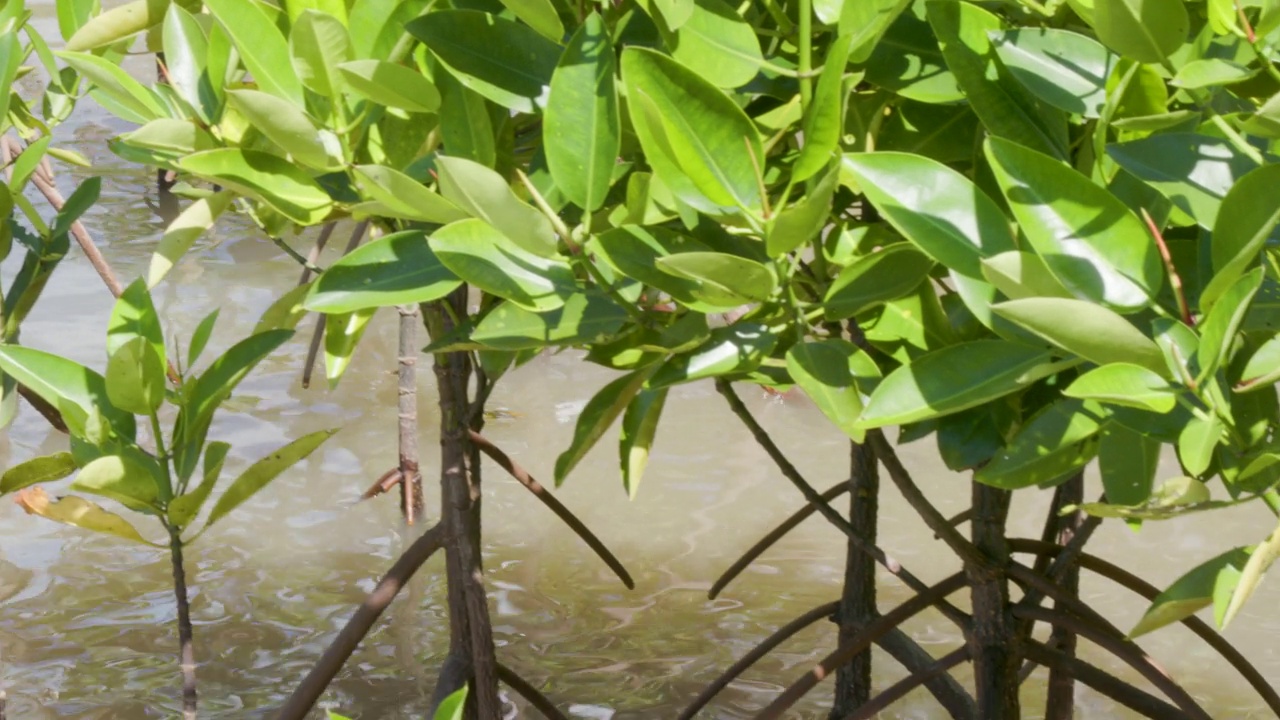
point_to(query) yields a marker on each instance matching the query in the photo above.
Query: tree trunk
(1060, 704)
(186, 642)
(858, 603)
(407, 364)
(994, 636)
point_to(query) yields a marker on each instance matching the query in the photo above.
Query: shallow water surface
(87, 623)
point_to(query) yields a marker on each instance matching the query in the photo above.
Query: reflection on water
(86, 623)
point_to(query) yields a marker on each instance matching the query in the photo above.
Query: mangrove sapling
(157, 479)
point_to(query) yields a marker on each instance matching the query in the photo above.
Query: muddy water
(86, 623)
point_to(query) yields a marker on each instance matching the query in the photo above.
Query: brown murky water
(86, 623)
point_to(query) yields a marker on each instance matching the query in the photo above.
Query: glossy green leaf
(1006, 109)
(1266, 119)
(1092, 332)
(736, 348)
(1057, 441)
(824, 121)
(1263, 367)
(1148, 31)
(117, 478)
(1123, 383)
(82, 199)
(342, 333)
(639, 426)
(262, 472)
(377, 25)
(72, 14)
(286, 312)
(390, 84)
(582, 129)
(484, 194)
(186, 59)
(1194, 171)
(695, 129)
(395, 269)
(169, 138)
(1193, 591)
(1021, 275)
(135, 377)
(285, 125)
(717, 43)
(46, 468)
(318, 44)
(481, 255)
(867, 23)
(116, 84)
(200, 337)
(465, 124)
(826, 371)
(58, 380)
(952, 379)
(265, 177)
(1128, 461)
(1218, 329)
(1260, 560)
(77, 511)
(27, 161)
(798, 225)
(1089, 239)
(724, 278)
(597, 416)
(584, 318)
(1246, 221)
(262, 47)
(515, 68)
(884, 275)
(906, 59)
(1211, 72)
(184, 508)
(182, 233)
(1197, 442)
(453, 707)
(399, 195)
(933, 206)
(118, 23)
(1065, 69)
(635, 251)
(541, 15)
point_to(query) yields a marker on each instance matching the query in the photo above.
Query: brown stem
(553, 504)
(993, 641)
(1060, 704)
(313, 257)
(410, 478)
(304, 697)
(46, 410)
(1145, 589)
(530, 693)
(186, 644)
(858, 599)
(958, 519)
(78, 231)
(317, 335)
(899, 689)
(1104, 682)
(869, 634)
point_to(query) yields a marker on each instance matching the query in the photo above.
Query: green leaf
(453, 706)
(1218, 329)
(72, 15)
(716, 42)
(598, 414)
(182, 233)
(906, 59)
(170, 138)
(584, 318)
(952, 379)
(77, 511)
(135, 377)
(1125, 384)
(377, 25)
(481, 255)
(1007, 111)
(117, 85)
(262, 47)
(582, 131)
(318, 44)
(1197, 442)
(58, 380)
(639, 425)
(541, 15)
(465, 124)
(27, 161)
(1128, 461)
(1210, 72)
(724, 278)
(867, 22)
(1065, 69)
(1194, 171)
(1088, 238)
(1148, 31)
(390, 84)
(517, 63)
(47, 468)
(734, 349)
(1093, 332)
(693, 128)
(286, 312)
(265, 177)
(84, 197)
(1266, 119)
(342, 333)
(1260, 560)
(884, 275)
(804, 221)
(399, 195)
(1021, 275)
(287, 126)
(1194, 590)
(826, 371)
(117, 24)
(824, 122)
(1245, 222)
(936, 208)
(200, 337)
(395, 269)
(184, 508)
(484, 194)
(262, 472)
(1262, 369)
(186, 58)
(1055, 442)
(117, 478)
(635, 251)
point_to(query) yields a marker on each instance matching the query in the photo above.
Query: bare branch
(530, 693)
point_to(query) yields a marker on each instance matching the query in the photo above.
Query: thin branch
(845, 653)
(957, 520)
(527, 691)
(553, 504)
(899, 689)
(317, 335)
(407, 405)
(313, 257)
(1104, 682)
(313, 685)
(186, 644)
(41, 406)
(296, 256)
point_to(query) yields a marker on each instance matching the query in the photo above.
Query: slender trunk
(994, 637)
(858, 603)
(1060, 704)
(186, 652)
(410, 478)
